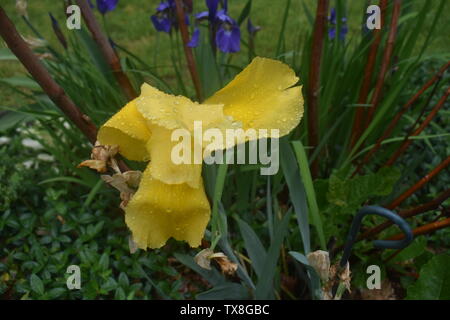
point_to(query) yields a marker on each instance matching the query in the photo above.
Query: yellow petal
(129, 130)
(172, 112)
(164, 168)
(262, 97)
(159, 211)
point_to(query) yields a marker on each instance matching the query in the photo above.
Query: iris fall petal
(129, 130)
(262, 97)
(159, 211)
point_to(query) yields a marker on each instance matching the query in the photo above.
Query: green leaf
(103, 263)
(21, 82)
(109, 285)
(7, 55)
(283, 28)
(314, 277)
(347, 195)
(123, 280)
(297, 191)
(225, 291)
(254, 247)
(415, 249)
(264, 288)
(245, 12)
(434, 280)
(11, 119)
(36, 284)
(56, 293)
(93, 193)
(309, 189)
(299, 257)
(120, 294)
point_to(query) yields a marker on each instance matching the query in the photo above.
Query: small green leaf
(103, 263)
(109, 285)
(120, 294)
(11, 119)
(434, 280)
(123, 280)
(36, 284)
(415, 249)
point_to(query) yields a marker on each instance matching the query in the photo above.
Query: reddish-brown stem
(432, 205)
(422, 127)
(419, 184)
(425, 229)
(399, 115)
(320, 26)
(187, 50)
(43, 78)
(367, 79)
(108, 52)
(386, 62)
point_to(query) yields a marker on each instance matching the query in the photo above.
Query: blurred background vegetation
(130, 26)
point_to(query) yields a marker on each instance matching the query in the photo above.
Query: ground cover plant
(363, 120)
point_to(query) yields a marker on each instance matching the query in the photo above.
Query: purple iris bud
(333, 26)
(106, 5)
(251, 28)
(91, 4)
(332, 17)
(161, 22)
(228, 38)
(195, 40)
(212, 8)
(344, 29)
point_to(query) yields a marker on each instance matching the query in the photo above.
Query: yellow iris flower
(171, 200)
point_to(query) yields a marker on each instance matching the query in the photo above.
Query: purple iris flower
(165, 17)
(333, 26)
(228, 38)
(227, 32)
(106, 5)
